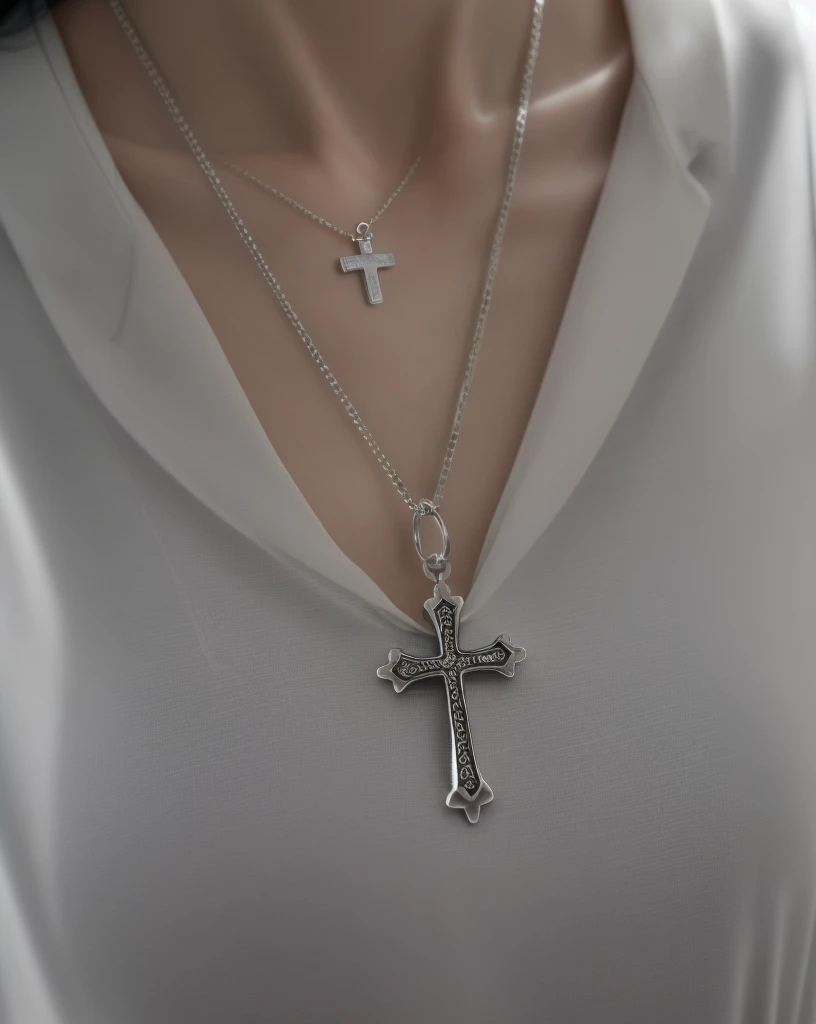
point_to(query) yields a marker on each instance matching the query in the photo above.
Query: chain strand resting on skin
(424, 505)
(315, 216)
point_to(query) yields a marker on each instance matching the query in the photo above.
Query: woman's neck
(337, 81)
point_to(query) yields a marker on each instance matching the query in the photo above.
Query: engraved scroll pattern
(465, 762)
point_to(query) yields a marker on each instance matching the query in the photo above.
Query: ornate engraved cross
(369, 262)
(469, 791)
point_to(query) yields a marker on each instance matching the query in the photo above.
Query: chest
(401, 362)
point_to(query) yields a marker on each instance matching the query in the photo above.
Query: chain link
(315, 216)
(291, 315)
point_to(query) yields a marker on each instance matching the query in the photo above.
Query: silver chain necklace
(367, 260)
(469, 790)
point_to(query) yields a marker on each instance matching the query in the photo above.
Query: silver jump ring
(425, 508)
(437, 573)
(362, 235)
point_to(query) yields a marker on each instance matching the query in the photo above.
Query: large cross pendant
(369, 262)
(469, 790)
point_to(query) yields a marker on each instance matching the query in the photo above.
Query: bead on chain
(315, 216)
(487, 293)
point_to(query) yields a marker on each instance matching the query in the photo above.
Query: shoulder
(802, 30)
(767, 160)
(770, 48)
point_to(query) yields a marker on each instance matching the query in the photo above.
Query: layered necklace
(469, 790)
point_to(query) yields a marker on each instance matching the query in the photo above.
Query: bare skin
(331, 103)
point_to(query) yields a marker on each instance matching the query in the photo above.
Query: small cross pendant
(469, 790)
(369, 262)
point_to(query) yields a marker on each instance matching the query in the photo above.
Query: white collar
(137, 334)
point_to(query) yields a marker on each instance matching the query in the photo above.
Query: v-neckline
(156, 364)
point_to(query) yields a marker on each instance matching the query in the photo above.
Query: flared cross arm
(469, 790)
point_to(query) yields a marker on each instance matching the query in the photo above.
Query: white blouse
(213, 810)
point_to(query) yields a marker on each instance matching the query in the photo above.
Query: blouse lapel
(646, 229)
(131, 323)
